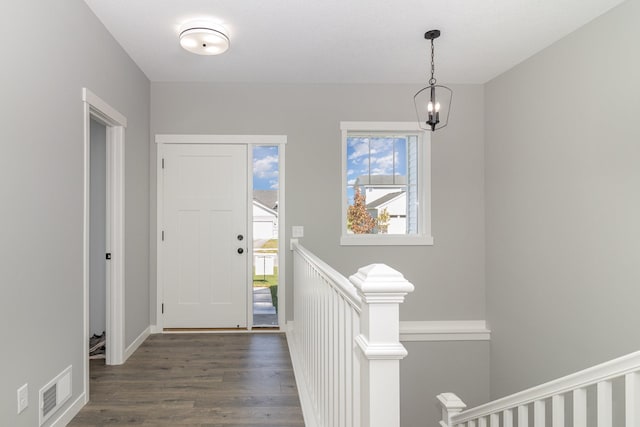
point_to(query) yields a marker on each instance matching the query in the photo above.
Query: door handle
(240, 251)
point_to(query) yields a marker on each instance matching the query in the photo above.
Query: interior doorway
(114, 125)
(98, 241)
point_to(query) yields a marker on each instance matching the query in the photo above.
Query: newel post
(451, 405)
(382, 290)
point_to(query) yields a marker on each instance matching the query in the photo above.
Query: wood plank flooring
(193, 380)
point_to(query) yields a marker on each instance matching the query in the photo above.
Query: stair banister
(344, 342)
(382, 290)
(600, 376)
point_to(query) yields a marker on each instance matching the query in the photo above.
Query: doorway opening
(98, 242)
(114, 123)
(265, 203)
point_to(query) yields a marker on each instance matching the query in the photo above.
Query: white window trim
(424, 237)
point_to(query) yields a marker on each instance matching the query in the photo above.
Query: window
(385, 184)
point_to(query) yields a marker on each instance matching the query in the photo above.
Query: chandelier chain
(432, 80)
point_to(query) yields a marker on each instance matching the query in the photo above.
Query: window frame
(424, 236)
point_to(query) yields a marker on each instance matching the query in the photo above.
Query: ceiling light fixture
(204, 38)
(433, 102)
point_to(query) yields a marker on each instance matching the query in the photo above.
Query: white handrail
(600, 375)
(344, 342)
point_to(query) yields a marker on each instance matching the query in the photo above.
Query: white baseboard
(136, 343)
(303, 389)
(66, 417)
(155, 329)
(446, 330)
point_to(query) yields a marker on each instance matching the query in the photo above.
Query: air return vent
(55, 394)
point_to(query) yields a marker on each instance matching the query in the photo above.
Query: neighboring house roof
(381, 180)
(384, 199)
(265, 208)
(268, 198)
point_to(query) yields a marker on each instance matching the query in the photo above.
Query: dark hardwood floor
(197, 380)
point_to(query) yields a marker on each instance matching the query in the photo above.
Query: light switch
(297, 231)
(23, 398)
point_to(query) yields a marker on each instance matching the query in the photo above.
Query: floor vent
(55, 394)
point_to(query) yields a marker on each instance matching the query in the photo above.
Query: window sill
(385, 240)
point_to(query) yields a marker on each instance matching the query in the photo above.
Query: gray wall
(449, 276)
(563, 205)
(432, 368)
(41, 186)
(97, 220)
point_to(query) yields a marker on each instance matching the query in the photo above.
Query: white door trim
(250, 141)
(97, 109)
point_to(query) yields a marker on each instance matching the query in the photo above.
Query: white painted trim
(282, 233)
(249, 238)
(109, 114)
(222, 139)
(73, 410)
(306, 402)
(381, 126)
(385, 240)
(445, 330)
(95, 107)
(424, 236)
(154, 329)
(136, 343)
(159, 245)
(580, 380)
(250, 141)
(381, 351)
(230, 331)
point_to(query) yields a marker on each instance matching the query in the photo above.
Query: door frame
(115, 123)
(250, 141)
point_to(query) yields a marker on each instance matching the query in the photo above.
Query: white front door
(205, 250)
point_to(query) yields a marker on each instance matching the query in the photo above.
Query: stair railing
(501, 412)
(345, 342)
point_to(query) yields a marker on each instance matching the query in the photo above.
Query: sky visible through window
(374, 156)
(265, 168)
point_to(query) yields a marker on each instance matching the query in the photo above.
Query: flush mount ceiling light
(203, 38)
(433, 102)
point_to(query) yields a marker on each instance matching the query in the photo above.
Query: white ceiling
(343, 41)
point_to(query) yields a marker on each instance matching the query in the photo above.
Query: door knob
(240, 237)
(240, 250)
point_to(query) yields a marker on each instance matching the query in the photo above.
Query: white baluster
(523, 416)
(382, 290)
(482, 422)
(580, 407)
(539, 415)
(471, 423)
(507, 418)
(342, 398)
(356, 377)
(605, 408)
(632, 399)
(494, 420)
(557, 411)
(451, 406)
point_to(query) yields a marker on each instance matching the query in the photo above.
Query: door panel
(205, 209)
